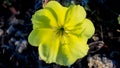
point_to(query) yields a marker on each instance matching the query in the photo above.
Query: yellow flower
(61, 33)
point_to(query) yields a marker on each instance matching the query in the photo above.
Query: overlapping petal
(58, 10)
(88, 28)
(74, 15)
(43, 19)
(72, 50)
(48, 49)
(37, 36)
(84, 30)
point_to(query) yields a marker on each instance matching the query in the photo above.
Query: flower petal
(88, 29)
(43, 19)
(48, 49)
(72, 50)
(38, 36)
(58, 10)
(83, 29)
(74, 15)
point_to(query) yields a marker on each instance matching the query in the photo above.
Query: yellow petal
(88, 28)
(84, 29)
(58, 10)
(72, 50)
(38, 36)
(74, 15)
(48, 49)
(43, 19)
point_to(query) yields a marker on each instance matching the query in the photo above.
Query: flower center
(60, 31)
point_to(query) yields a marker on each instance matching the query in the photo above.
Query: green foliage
(118, 19)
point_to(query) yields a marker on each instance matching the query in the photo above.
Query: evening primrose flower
(61, 33)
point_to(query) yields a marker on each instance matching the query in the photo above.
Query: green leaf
(118, 19)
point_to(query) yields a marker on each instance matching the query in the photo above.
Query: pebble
(10, 30)
(14, 21)
(1, 24)
(18, 34)
(21, 45)
(99, 61)
(1, 32)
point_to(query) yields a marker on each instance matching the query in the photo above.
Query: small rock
(99, 61)
(1, 32)
(21, 45)
(10, 30)
(95, 38)
(1, 24)
(17, 43)
(12, 39)
(18, 33)
(14, 21)
(110, 34)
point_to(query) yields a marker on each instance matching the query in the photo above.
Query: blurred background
(15, 26)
